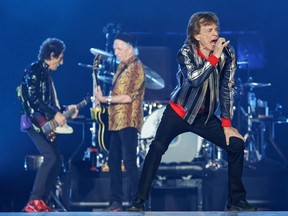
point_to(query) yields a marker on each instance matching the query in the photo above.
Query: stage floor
(169, 213)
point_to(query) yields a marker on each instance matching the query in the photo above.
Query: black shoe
(137, 205)
(114, 207)
(242, 205)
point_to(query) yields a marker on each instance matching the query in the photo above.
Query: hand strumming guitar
(60, 119)
(99, 98)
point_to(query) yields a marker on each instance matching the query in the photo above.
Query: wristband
(109, 99)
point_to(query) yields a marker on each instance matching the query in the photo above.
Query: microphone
(85, 65)
(227, 50)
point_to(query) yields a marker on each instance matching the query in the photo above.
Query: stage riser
(266, 190)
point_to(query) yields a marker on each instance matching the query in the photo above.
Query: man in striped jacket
(207, 65)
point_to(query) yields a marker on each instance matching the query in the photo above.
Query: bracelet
(109, 99)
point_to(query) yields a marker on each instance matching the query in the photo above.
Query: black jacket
(196, 76)
(38, 94)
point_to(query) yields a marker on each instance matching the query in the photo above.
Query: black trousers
(48, 171)
(172, 125)
(123, 145)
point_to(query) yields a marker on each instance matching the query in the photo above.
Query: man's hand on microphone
(220, 44)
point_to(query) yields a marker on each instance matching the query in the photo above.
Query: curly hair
(51, 45)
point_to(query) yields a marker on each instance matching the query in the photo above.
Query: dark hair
(51, 45)
(195, 22)
(128, 38)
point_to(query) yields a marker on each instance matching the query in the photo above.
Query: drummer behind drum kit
(187, 147)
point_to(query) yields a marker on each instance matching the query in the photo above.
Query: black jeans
(47, 173)
(172, 125)
(123, 145)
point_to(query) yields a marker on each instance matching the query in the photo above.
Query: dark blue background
(257, 29)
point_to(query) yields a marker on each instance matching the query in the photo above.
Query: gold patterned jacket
(130, 82)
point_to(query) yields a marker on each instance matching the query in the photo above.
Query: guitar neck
(70, 112)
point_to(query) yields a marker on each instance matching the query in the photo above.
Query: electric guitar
(101, 112)
(51, 128)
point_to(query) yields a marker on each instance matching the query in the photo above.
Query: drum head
(184, 148)
(151, 124)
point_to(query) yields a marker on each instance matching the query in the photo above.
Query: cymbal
(152, 79)
(105, 79)
(105, 76)
(242, 63)
(254, 84)
(95, 52)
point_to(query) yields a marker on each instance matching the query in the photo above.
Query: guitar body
(103, 135)
(45, 125)
(51, 128)
(101, 113)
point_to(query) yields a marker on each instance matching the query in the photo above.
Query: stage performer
(39, 101)
(125, 114)
(207, 66)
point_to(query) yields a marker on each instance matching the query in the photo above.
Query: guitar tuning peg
(92, 99)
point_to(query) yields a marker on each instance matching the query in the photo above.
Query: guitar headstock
(96, 62)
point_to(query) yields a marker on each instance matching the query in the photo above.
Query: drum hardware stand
(141, 151)
(96, 158)
(215, 156)
(55, 195)
(204, 153)
(252, 152)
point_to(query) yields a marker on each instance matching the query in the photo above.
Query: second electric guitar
(101, 112)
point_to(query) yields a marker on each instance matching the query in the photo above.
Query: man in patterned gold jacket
(125, 117)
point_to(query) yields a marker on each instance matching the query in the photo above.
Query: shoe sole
(239, 209)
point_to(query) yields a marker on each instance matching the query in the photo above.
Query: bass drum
(183, 148)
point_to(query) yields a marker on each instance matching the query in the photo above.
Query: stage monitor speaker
(176, 195)
(266, 184)
(88, 190)
(174, 199)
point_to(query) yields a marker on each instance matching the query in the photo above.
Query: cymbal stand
(56, 196)
(213, 155)
(252, 152)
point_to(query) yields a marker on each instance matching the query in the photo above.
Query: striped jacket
(196, 75)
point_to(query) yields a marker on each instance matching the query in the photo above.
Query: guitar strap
(53, 93)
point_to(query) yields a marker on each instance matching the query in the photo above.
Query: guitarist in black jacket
(39, 105)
